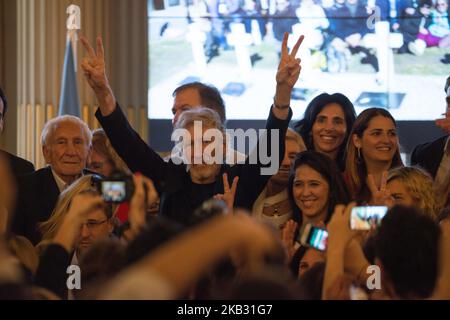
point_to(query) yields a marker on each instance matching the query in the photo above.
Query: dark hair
(267, 283)
(329, 170)
(209, 94)
(104, 259)
(294, 264)
(316, 105)
(5, 102)
(311, 282)
(407, 246)
(101, 263)
(157, 232)
(355, 168)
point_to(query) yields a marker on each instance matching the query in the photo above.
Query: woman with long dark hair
(326, 125)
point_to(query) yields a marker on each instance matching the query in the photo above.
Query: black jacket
(18, 165)
(52, 270)
(429, 155)
(179, 195)
(37, 197)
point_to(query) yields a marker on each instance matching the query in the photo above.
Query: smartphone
(314, 237)
(367, 217)
(113, 191)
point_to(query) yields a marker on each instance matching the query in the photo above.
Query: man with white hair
(66, 143)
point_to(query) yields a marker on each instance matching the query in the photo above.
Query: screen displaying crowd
(380, 53)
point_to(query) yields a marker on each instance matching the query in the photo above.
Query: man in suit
(18, 165)
(435, 156)
(66, 143)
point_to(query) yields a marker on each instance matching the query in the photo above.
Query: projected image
(380, 53)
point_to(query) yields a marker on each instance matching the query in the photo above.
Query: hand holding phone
(314, 237)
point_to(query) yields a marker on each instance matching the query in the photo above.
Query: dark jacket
(52, 270)
(37, 197)
(344, 24)
(429, 155)
(282, 21)
(179, 195)
(18, 165)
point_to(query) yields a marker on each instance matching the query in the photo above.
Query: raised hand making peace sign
(289, 67)
(229, 193)
(94, 70)
(287, 75)
(380, 196)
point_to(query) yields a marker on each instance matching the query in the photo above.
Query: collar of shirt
(62, 185)
(59, 182)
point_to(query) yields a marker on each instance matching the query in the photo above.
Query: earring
(358, 151)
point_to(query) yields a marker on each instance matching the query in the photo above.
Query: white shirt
(59, 182)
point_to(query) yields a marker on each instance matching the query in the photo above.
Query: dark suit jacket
(178, 200)
(18, 165)
(37, 197)
(429, 155)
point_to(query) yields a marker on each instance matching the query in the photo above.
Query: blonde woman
(412, 186)
(98, 225)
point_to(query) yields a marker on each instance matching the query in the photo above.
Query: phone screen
(367, 218)
(113, 191)
(318, 238)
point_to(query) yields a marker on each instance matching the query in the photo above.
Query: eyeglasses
(93, 224)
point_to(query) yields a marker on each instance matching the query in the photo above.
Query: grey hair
(209, 118)
(51, 126)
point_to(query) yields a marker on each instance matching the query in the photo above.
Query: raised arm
(195, 252)
(287, 75)
(254, 174)
(339, 236)
(138, 156)
(94, 70)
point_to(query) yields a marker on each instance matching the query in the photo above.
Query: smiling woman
(315, 188)
(372, 150)
(326, 125)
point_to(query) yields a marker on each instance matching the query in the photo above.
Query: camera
(117, 188)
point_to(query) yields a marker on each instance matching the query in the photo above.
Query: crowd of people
(201, 230)
(336, 29)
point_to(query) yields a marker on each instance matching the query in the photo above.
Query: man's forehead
(97, 214)
(68, 129)
(188, 96)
